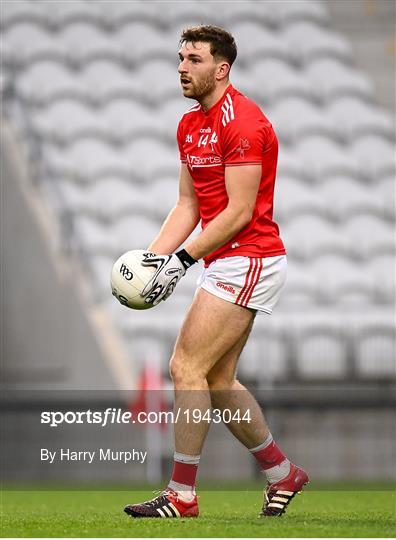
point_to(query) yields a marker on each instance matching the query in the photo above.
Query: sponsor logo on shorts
(227, 288)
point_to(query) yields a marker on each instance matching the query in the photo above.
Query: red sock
(184, 472)
(269, 456)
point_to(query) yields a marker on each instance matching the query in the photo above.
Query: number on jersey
(204, 139)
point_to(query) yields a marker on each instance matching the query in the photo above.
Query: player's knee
(182, 372)
(177, 364)
(175, 369)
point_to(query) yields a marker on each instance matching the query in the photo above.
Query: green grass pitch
(341, 512)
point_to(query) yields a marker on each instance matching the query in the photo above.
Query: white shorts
(251, 282)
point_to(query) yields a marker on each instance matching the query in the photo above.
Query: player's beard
(202, 87)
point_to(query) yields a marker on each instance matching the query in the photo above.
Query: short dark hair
(222, 44)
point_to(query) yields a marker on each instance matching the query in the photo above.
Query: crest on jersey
(244, 145)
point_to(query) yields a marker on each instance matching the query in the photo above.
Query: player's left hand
(169, 270)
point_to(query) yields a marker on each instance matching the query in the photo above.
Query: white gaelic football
(128, 279)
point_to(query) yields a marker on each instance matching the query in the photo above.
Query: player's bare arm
(242, 184)
(181, 220)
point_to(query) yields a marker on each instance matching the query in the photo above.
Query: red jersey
(233, 132)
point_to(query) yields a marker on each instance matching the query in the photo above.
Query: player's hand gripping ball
(141, 279)
(129, 278)
(168, 271)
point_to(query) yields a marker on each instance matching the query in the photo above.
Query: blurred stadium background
(90, 105)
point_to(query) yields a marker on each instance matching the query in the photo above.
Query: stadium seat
(112, 239)
(89, 160)
(382, 269)
(235, 12)
(151, 73)
(309, 236)
(301, 291)
(242, 79)
(109, 199)
(264, 358)
(117, 14)
(162, 195)
(353, 118)
(321, 354)
(74, 196)
(376, 348)
(307, 42)
(179, 15)
(167, 116)
(26, 43)
(86, 43)
(94, 237)
(357, 198)
(330, 79)
(126, 120)
(65, 13)
(323, 158)
(376, 156)
(275, 80)
(108, 81)
(45, 82)
(386, 191)
(65, 121)
(294, 197)
(368, 236)
(289, 12)
(291, 164)
(24, 11)
(134, 232)
(152, 159)
(342, 281)
(142, 42)
(255, 41)
(295, 118)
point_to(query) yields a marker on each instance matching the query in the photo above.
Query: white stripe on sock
(185, 458)
(263, 445)
(279, 472)
(181, 487)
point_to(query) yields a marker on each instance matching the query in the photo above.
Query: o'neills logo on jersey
(227, 288)
(205, 130)
(209, 161)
